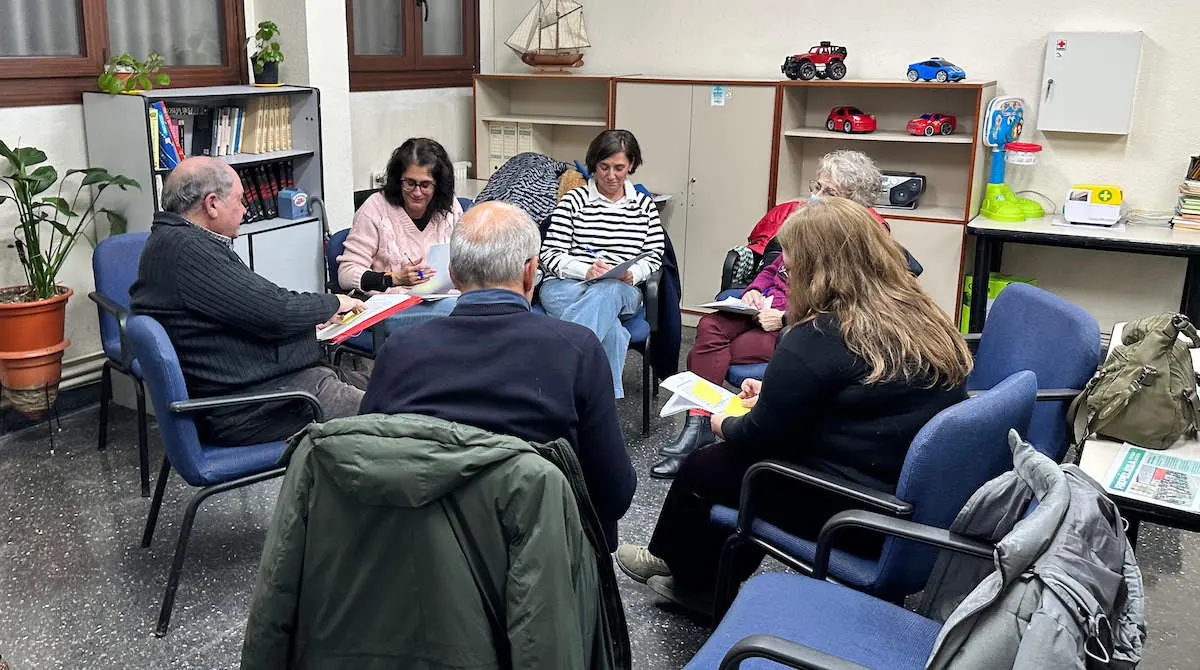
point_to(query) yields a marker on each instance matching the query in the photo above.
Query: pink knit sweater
(382, 234)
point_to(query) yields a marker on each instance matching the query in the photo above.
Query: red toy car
(824, 60)
(932, 124)
(850, 120)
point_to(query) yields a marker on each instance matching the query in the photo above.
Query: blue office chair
(807, 622)
(954, 454)
(212, 469)
(364, 344)
(115, 268)
(1028, 328)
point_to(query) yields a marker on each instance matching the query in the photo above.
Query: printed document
(694, 392)
(734, 305)
(1156, 477)
(377, 304)
(438, 258)
(620, 268)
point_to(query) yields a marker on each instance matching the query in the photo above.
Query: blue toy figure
(1003, 122)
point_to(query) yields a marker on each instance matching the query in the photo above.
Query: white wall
(716, 38)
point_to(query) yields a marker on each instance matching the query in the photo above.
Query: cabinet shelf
(546, 119)
(271, 224)
(878, 136)
(240, 160)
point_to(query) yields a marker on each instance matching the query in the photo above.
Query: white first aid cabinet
(1089, 81)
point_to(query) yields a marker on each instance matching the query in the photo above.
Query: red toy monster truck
(824, 60)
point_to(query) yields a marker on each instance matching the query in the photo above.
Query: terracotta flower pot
(27, 326)
(31, 349)
(30, 378)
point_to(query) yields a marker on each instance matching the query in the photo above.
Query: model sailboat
(551, 35)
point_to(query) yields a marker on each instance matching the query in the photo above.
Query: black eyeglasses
(412, 185)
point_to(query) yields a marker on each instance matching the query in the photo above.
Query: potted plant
(126, 74)
(267, 55)
(33, 315)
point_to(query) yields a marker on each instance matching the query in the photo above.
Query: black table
(990, 237)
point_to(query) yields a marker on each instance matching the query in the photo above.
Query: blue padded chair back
(959, 450)
(164, 381)
(465, 203)
(114, 268)
(334, 248)
(1028, 328)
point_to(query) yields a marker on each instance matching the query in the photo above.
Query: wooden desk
(990, 237)
(1096, 458)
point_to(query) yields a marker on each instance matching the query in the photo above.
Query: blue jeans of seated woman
(421, 313)
(599, 306)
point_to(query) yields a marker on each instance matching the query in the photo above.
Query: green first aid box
(996, 283)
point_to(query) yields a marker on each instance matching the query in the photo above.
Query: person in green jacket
(363, 567)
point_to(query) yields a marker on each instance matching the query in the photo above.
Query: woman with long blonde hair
(869, 360)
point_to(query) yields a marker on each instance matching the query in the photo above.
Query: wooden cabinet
(708, 145)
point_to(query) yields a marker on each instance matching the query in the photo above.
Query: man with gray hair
(233, 330)
(496, 365)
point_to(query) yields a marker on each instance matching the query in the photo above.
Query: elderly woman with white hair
(724, 339)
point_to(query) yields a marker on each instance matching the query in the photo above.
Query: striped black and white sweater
(585, 225)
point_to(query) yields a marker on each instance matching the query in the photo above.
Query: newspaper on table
(1156, 477)
(694, 392)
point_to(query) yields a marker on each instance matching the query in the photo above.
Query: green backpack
(1145, 392)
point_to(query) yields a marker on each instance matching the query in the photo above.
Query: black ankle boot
(697, 432)
(667, 468)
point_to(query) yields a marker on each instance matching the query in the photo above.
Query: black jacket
(230, 327)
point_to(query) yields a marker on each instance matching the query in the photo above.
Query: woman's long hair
(425, 153)
(843, 263)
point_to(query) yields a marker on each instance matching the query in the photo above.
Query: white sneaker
(637, 562)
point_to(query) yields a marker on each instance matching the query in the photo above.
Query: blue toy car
(936, 68)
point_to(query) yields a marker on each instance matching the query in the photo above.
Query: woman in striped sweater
(593, 229)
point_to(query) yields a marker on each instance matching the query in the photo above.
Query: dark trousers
(691, 545)
(270, 422)
(724, 339)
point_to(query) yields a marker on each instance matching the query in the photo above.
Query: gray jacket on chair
(1063, 589)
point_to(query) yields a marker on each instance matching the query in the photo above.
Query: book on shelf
(169, 157)
(262, 184)
(509, 138)
(154, 150)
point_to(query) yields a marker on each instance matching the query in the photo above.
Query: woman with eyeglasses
(394, 229)
(724, 339)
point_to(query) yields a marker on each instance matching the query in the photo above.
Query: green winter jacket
(361, 568)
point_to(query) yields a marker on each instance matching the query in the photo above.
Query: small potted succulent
(126, 74)
(267, 54)
(49, 223)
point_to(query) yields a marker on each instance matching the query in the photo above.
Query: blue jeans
(421, 313)
(600, 307)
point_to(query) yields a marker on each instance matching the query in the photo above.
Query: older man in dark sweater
(233, 330)
(495, 365)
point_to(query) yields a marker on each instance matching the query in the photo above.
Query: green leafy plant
(126, 73)
(48, 226)
(266, 49)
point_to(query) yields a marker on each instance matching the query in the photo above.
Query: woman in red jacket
(724, 339)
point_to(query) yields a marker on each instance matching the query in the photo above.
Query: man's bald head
(206, 191)
(492, 248)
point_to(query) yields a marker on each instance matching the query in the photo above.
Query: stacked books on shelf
(264, 124)
(262, 184)
(508, 138)
(1187, 212)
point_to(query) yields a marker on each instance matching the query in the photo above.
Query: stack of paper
(734, 305)
(1187, 213)
(694, 392)
(378, 308)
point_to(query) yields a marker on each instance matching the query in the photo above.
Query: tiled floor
(77, 590)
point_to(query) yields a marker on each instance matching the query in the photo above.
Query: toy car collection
(850, 120)
(932, 124)
(824, 61)
(937, 69)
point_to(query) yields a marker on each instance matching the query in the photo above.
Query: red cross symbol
(1062, 44)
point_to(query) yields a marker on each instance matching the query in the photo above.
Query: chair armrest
(1057, 394)
(826, 482)
(783, 651)
(727, 270)
(121, 314)
(650, 293)
(902, 528)
(204, 404)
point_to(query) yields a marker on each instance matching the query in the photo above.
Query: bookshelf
(555, 115)
(119, 137)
